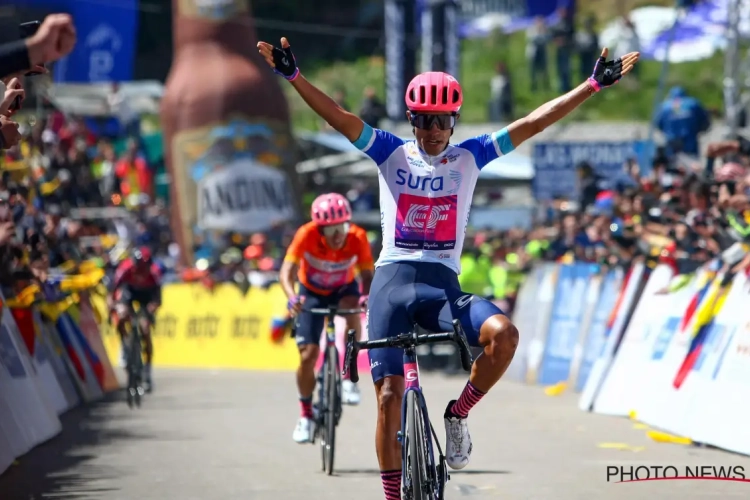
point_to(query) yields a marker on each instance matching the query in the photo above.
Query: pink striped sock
(469, 397)
(391, 484)
(305, 406)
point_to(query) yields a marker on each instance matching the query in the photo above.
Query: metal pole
(659, 96)
(731, 68)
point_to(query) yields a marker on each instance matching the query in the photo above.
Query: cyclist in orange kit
(324, 257)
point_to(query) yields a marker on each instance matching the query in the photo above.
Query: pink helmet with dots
(434, 91)
(330, 209)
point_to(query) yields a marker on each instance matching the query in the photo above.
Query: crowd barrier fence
(52, 359)
(678, 359)
(674, 358)
(59, 353)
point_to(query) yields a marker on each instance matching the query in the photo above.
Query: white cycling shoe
(350, 393)
(457, 440)
(303, 431)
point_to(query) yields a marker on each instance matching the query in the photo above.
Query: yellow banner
(198, 328)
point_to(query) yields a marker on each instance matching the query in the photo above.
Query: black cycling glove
(285, 63)
(606, 73)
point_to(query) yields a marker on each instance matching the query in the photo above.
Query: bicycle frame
(411, 381)
(408, 342)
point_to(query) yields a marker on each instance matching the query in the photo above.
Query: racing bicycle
(422, 478)
(328, 408)
(134, 368)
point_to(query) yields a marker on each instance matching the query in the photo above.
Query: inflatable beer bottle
(228, 142)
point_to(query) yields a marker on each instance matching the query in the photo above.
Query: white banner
(661, 402)
(625, 378)
(605, 358)
(24, 402)
(50, 341)
(524, 318)
(719, 381)
(543, 310)
(92, 389)
(683, 363)
(244, 196)
(589, 308)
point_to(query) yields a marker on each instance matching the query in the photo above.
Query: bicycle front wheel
(418, 475)
(135, 367)
(333, 397)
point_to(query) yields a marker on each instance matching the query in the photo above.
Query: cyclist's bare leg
(390, 392)
(499, 338)
(308, 354)
(353, 321)
(122, 329)
(148, 348)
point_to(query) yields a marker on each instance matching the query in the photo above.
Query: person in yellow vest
(516, 263)
(499, 280)
(475, 270)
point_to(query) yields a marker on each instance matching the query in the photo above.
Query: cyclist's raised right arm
(283, 62)
(348, 124)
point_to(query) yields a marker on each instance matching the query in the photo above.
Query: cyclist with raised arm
(324, 257)
(426, 186)
(138, 279)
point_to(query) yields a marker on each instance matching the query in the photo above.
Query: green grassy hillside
(630, 100)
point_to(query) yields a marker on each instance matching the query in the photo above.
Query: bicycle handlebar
(404, 341)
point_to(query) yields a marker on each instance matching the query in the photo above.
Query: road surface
(227, 435)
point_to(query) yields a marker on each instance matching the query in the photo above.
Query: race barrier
(221, 328)
(673, 352)
(48, 365)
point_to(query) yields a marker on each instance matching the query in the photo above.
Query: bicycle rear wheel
(418, 476)
(135, 367)
(333, 399)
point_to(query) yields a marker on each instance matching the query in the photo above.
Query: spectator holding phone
(54, 39)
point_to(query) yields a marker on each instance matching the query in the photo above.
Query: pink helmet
(330, 209)
(434, 91)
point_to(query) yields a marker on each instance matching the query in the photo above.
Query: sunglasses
(334, 229)
(426, 122)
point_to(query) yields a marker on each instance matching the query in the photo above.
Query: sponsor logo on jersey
(426, 223)
(419, 182)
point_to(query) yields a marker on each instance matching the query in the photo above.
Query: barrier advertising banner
(567, 314)
(618, 321)
(623, 382)
(525, 318)
(671, 347)
(43, 371)
(35, 419)
(673, 352)
(719, 376)
(597, 331)
(593, 291)
(543, 309)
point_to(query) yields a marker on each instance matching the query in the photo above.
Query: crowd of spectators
(57, 176)
(682, 213)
